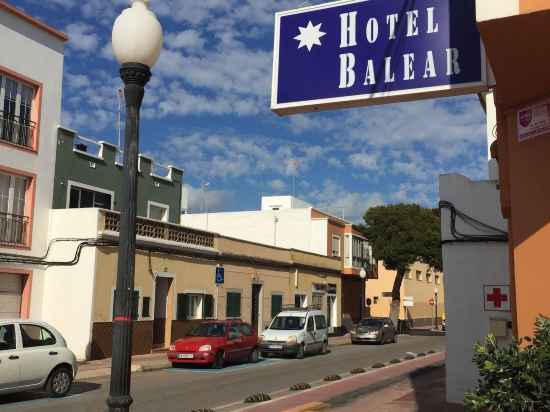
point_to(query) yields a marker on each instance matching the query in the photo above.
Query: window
(386, 294)
(7, 337)
(418, 275)
(429, 277)
(16, 106)
(335, 245)
(300, 301)
(276, 305)
(310, 324)
(80, 197)
(145, 307)
(360, 252)
(233, 305)
(437, 280)
(234, 332)
(317, 300)
(375, 299)
(246, 329)
(135, 304)
(34, 336)
(158, 211)
(13, 222)
(195, 306)
(320, 322)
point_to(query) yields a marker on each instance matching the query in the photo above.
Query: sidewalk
(155, 361)
(416, 385)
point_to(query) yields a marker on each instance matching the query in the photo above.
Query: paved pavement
(185, 389)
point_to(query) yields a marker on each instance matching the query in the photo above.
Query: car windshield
(370, 323)
(288, 323)
(208, 330)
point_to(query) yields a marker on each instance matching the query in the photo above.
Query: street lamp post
(137, 42)
(363, 276)
(436, 293)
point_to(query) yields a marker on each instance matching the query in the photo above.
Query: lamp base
(135, 73)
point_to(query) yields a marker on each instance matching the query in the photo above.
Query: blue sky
(207, 110)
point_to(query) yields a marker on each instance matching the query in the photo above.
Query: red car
(215, 343)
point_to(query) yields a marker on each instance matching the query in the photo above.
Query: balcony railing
(13, 229)
(162, 231)
(15, 130)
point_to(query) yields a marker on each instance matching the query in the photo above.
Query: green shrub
(513, 378)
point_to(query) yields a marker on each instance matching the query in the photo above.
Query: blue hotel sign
(359, 52)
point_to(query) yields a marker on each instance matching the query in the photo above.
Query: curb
(136, 368)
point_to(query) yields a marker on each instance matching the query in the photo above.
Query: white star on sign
(310, 36)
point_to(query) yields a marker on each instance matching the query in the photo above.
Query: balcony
(17, 131)
(13, 229)
(163, 231)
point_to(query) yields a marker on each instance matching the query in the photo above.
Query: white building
(288, 222)
(31, 73)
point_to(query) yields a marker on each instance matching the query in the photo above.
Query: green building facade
(88, 174)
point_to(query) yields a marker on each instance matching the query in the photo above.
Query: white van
(295, 332)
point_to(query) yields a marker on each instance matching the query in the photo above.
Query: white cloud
(335, 199)
(82, 37)
(216, 200)
(364, 161)
(278, 185)
(187, 40)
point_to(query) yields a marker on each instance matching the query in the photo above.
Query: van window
(310, 325)
(320, 322)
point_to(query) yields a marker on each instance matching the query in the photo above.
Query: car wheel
(253, 357)
(324, 348)
(301, 352)
(59, 382)
(219, 361)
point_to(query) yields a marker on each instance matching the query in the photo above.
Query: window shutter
(208, 309)
(183, 305)
(276, 305)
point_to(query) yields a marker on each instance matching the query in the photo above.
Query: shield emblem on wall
(525, 117)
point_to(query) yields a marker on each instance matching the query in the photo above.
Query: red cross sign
(497, 298)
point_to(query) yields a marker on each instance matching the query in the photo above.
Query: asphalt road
(185, 389)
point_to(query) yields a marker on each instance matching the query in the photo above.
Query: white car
(297, 332)
(34, 356)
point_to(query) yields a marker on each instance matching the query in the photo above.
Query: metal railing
(15, 130)
(162, 231)
(13, 229)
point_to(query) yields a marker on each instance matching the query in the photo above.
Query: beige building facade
(175, 282)
(422, 291)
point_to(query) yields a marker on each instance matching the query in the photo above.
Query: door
(38, 354)
(9, 357)
(331, 311)
(255, 315)
(310, 334)
(11, 288)
(250, 340)
(235, 344)
(160, 323)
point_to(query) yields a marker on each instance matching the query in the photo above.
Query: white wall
(292, 230)
(495, 9)
(68, 291)
(468, 267)
(33, 53)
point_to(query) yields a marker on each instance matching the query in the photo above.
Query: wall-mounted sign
(534, 120)
(496, 298)
(408, 301)
(359, 52)
(220, 275)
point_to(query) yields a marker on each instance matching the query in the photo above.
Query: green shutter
(233, 308)
(183, 304)
(276, 305)
(208, 302)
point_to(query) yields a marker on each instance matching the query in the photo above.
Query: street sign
(497, 298)
(408, 301)
(360, 52)
(220, 275)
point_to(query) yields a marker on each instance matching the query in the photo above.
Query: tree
(514, 377)
(401, 235)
